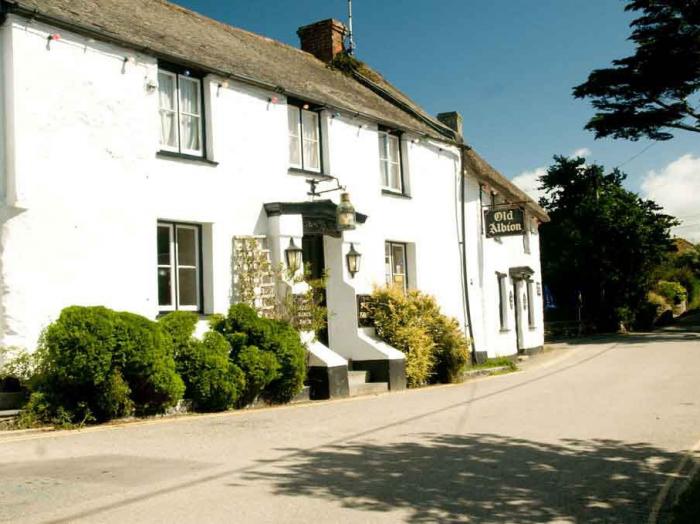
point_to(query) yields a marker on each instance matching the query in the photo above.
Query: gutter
(463, 187)
(13, 7)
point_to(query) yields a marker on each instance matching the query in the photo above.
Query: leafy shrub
(180, 325)
(144, 352)
(260, 368)
(96, 364)
(447, 355)
(212, 381)
(242, 327)
(673, 292)
(17, 368)
(419, 348)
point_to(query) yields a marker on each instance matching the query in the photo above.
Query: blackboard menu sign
(365, 311)
(303, 316)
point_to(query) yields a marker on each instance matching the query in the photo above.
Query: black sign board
(365, 311)
(303, 317)
(503, 222)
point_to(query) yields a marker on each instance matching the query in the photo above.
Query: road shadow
(480, 478)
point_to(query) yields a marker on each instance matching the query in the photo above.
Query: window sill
(305, 173)
(396, 194)
(171, 155)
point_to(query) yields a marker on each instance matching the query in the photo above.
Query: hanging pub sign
(503, 222)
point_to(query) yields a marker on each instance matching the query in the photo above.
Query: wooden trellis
(253, 274)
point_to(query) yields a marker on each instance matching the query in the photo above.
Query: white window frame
(175, 265)
(302, 140)
(385, 162)
(178, 115)
(390, 263)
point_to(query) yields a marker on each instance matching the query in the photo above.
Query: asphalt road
(595, 432)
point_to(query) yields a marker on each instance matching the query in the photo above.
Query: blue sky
(507, 65)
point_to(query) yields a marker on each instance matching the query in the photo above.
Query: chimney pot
(453, 120)
(324, 39)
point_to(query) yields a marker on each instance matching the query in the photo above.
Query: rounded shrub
(259, 368)
(97, 364)
(212, 381)
(243, 328)
(404, 320)
(180, 325)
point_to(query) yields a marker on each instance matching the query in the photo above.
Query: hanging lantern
(293, 256)
(345, 214)
(353, 259)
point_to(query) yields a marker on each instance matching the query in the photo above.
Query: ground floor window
(502, 300)
(179, 272)
(395, 263)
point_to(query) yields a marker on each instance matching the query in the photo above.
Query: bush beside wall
(435, 347)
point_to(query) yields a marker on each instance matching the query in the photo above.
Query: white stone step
(355, 378)
(369, 388)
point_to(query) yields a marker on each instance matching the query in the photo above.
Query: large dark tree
(603, 242)
(654, 91)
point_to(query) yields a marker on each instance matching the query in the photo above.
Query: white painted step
(356, 378)
(369, 388)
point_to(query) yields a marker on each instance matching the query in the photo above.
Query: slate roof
(168, 31)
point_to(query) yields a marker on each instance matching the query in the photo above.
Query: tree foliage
(653, 91)
(603, 242)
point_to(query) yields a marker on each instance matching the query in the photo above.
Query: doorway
(518, 305)
(315, 264)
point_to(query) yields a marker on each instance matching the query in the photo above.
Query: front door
(518, 305)
(314, 259)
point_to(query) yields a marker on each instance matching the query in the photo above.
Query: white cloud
(583, 152)
(528, 181)
(677, 188)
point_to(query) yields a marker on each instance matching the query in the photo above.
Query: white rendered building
(139, 139)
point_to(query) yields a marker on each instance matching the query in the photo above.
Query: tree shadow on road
(480, 478)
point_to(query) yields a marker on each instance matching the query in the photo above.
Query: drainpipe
(463, 187)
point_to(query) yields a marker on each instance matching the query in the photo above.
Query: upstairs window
(390, 161)
(304, 138)
(180, 98)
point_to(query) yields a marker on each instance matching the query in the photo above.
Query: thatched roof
(168, 31)
(478, 167)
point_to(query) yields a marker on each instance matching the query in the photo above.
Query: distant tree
(649, 93)
(603, 241)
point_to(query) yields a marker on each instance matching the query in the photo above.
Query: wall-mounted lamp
(353, 259)
(293, 256)
(345, 213)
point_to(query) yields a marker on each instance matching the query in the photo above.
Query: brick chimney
(453, 120)
(324, 39)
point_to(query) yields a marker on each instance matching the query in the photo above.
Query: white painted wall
(90, 190)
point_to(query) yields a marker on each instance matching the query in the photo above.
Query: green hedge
(435, 347)
(212, 381)
(97, 364)
(243, 328)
